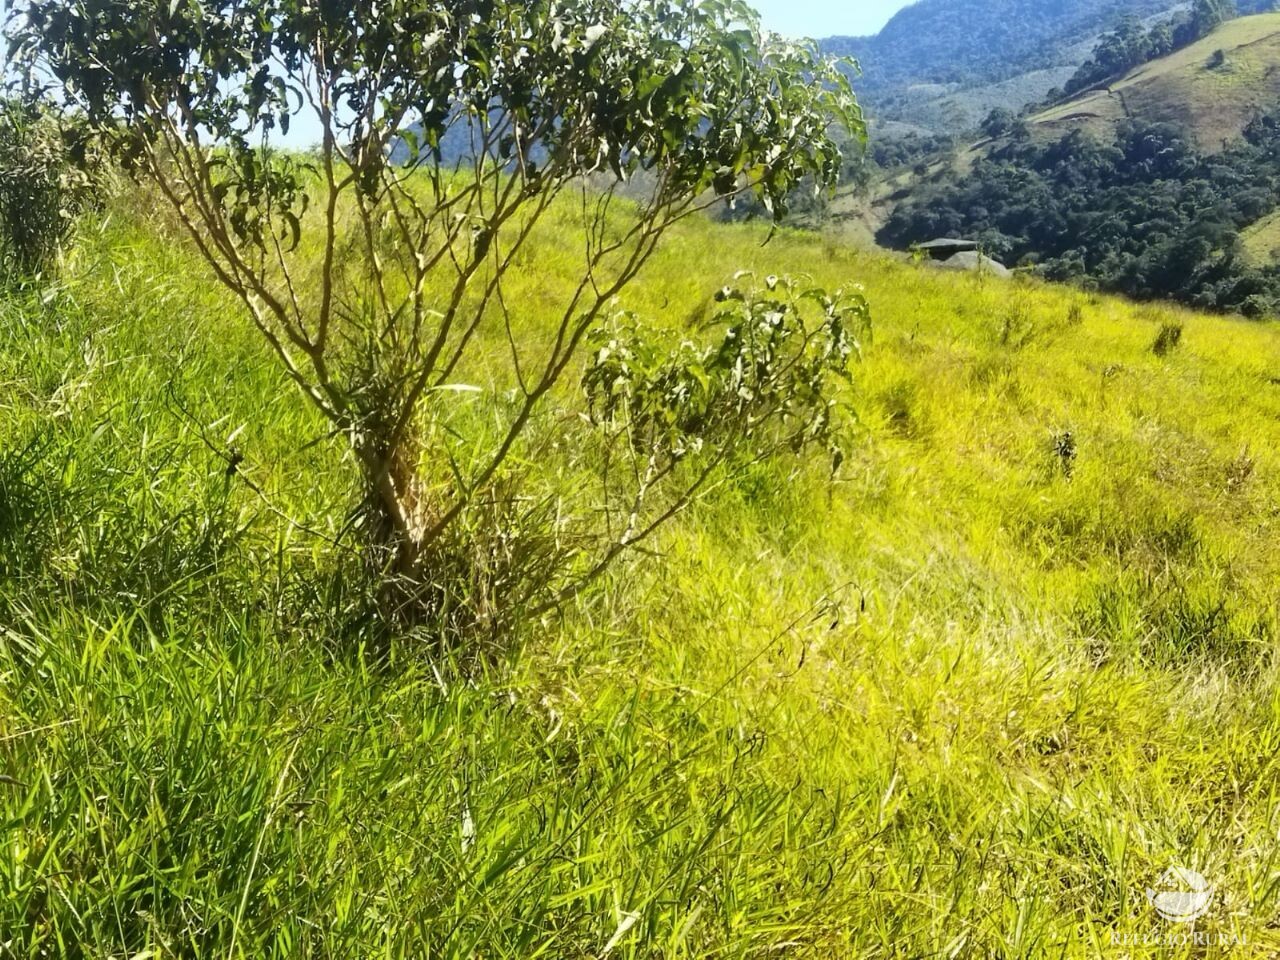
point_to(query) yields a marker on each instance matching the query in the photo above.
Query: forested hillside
(1211, 89)
(1163, 184)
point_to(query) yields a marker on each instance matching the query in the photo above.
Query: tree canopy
(1147, 215)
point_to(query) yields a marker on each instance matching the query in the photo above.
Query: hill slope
(1211, 89)
(970, 699)
(1262, 240)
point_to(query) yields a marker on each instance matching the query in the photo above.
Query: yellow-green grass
(1262, 240)
(969, 699)
(1213, 101)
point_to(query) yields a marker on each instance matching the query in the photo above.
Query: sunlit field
(970, 697)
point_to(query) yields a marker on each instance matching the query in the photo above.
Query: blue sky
(825, 18)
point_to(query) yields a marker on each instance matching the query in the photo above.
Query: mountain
(937, 64)
(1163, 182)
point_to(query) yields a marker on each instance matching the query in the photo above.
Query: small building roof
(947, 245)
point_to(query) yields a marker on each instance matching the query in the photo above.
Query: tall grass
(960, 701)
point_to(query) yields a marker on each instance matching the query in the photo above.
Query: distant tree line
(1146, 215)
(891, 153)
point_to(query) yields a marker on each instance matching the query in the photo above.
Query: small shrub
(1257, 306)
(1017, 327)
(1064, 448)
(1167, 339)
(901, 406)
(1168, 620)
(710, 105)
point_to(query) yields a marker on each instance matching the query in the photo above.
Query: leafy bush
(40, 190)
(1129, 45)
(769, 368)
(1066, 451)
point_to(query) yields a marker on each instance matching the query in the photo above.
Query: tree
(1125, 47)
(1160, 41)
(1206, 16)
(1121, 50)
(998, 123)
(447, 132)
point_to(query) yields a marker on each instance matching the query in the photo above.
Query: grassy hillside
(1262, 240)
(970, 699)
(962, 110)
(1213, 97)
